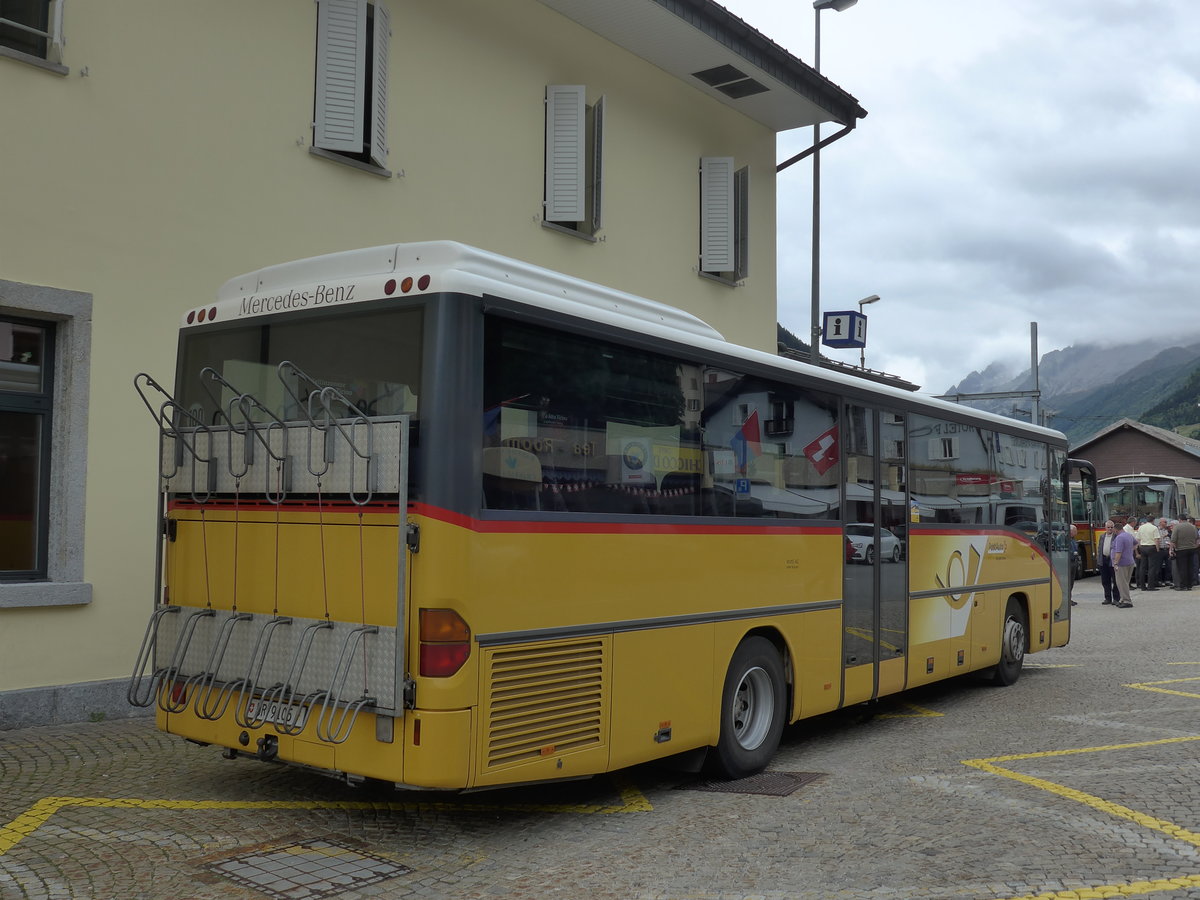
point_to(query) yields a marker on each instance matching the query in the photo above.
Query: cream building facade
(153, 150)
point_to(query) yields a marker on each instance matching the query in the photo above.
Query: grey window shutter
(341, 73)
(57, 38)
(379, 86)
(566, 152)
(741, 222)
(597, 181)
(716, 214)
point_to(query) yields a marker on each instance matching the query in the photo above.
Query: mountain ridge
(1086, 387)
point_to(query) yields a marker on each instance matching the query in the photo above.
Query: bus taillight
(445, 642)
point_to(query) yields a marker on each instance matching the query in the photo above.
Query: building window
(26, 390)
(45, 346)
(574, 160)
(350, 111)
(724, 219)
(943, 448)
(31, 30)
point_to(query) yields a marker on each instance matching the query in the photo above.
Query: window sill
(563, 229)
(39, 62)
(722, 279)
(352, 163)
(44, 593)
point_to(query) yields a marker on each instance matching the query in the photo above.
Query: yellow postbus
(445, 519)
(1130, 497)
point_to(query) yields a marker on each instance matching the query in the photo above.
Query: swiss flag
(747, 441)
(823, 452)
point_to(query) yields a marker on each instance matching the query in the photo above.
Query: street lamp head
(835, 5)
(874, 298)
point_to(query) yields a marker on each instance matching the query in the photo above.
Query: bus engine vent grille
(543, 701)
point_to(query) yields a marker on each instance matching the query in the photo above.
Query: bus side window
(512, 479)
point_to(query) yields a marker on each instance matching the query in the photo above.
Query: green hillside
(1145, 399)
(1177, 408)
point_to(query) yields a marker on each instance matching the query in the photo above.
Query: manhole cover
(307, 870)
(772, 784)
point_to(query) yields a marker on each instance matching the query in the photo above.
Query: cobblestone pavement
(1079, 781)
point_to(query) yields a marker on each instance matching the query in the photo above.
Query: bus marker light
(406, 285)
(423, 282)
(178, 693)
(416, 732)
(390, 287)
(548, 750)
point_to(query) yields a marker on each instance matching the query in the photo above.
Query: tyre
(1013, 639)
(869, 556)
(753, 708)
(896, 554)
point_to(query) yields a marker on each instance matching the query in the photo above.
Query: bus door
(875, 570)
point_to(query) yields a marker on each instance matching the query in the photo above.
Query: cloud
(1021, 162)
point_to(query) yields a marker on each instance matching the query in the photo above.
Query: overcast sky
(1021, 161)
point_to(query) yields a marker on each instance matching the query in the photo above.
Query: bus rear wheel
(1013, 639)
(752, 710)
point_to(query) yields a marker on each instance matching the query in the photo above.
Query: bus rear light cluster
(406, 284)
(445, 642)
(199, 315)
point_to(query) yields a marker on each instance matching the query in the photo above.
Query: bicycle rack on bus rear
(249, 685)
(142, 688)
(243, 424)
(332, 725)
(284, 693)
(170, 700)
(319, 407)
(204, 681)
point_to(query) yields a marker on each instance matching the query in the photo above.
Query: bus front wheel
(1012, 644)
(752, 710)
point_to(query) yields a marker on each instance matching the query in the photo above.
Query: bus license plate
(276, 713)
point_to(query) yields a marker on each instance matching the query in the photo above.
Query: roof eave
(686, 37)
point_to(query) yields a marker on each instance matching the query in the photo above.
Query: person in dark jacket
(1104, 562)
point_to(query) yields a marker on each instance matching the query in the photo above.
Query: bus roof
(412, 269)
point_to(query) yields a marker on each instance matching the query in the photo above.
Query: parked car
(862, 536)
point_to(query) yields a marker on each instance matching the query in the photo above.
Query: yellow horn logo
(960, 574)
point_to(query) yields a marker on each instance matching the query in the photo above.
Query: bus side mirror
(1087, 478)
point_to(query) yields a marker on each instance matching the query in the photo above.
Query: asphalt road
(1082, 780)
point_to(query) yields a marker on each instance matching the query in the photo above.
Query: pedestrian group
(1147, 555)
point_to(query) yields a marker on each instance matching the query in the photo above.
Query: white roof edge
(458, 267)
(454, 266)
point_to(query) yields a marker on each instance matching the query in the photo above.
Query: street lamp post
(815, 332)
(862, 353)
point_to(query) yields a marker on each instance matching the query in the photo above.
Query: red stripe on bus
(511, 526)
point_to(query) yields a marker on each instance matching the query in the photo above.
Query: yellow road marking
(1170, 829)
(1050, 666)
(1153, 686)
(918, 712)
(632, 801)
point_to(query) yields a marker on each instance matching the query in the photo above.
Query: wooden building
(1128, 448)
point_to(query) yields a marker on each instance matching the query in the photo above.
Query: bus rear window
(373, 359)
